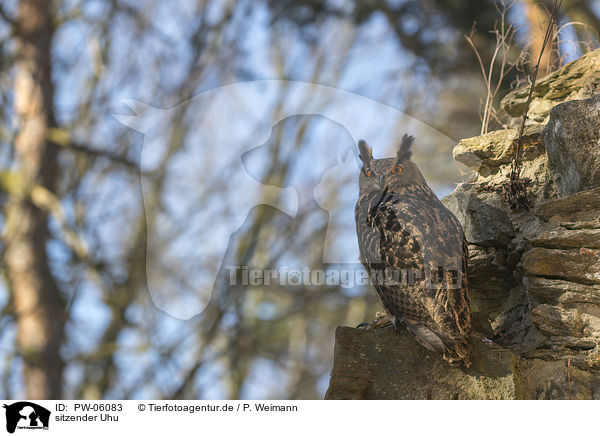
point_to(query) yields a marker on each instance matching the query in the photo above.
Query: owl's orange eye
(368, 173)
(397, 169)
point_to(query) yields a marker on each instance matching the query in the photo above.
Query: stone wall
(534, 273)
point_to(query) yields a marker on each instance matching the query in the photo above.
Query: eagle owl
(415, 253)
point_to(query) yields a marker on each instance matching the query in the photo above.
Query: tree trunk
(39, 307)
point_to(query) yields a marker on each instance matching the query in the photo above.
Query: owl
(415, 253)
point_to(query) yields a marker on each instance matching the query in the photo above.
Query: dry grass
(501, 63)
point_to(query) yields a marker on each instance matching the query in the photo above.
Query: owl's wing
(391, 250)
(368, 235)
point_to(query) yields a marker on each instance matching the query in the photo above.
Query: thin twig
(4, 15)
(517, 194)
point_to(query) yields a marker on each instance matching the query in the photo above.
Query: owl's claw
(381, 320)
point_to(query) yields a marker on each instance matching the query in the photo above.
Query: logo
(26, 415)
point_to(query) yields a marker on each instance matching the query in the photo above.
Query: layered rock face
(534, 273)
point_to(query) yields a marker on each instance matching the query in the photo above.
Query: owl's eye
(368, 173)
(397, 169)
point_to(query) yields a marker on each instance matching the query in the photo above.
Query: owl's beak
(381, 181)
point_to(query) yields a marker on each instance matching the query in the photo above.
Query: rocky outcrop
(488, 154)
(383, 365)
(534, 273)
(550, 319)
(572, 138)
(577, 80)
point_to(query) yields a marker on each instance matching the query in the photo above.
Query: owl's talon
(381, 320)
(363, 325)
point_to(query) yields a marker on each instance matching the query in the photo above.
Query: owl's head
(394, 173)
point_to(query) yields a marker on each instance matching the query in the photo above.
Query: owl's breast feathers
(416, 255)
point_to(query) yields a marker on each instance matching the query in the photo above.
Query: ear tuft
(365, 152)
(404, 151)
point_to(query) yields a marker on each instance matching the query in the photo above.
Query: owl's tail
(425, 336)
(455, 352)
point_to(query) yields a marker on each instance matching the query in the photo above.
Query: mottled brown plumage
(415, 252)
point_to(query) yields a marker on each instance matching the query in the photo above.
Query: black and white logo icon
(26, 415)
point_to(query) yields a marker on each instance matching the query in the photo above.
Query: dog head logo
(26, 415)
(212, 152)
